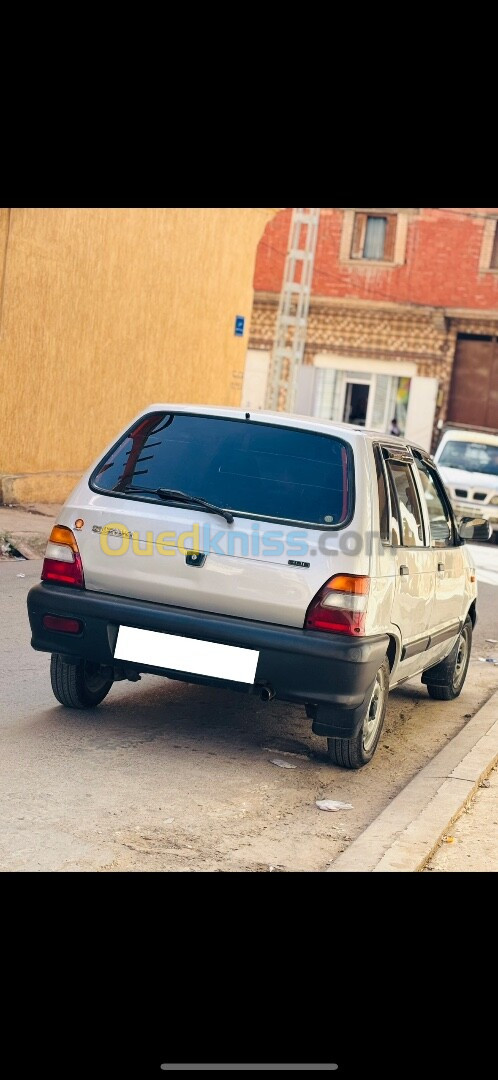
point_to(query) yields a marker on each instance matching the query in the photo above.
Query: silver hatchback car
(283, 556)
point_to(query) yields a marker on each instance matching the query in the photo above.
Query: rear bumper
(332, 675)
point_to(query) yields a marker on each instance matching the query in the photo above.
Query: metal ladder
(293, 309)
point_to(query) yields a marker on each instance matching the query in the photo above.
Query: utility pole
(293, 309)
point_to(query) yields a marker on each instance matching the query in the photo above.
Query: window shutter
(390, 238)
(360, 225)
(494, 254)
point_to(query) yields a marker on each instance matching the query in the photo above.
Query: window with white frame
(364, 398)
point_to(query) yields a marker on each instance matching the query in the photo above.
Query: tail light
(62, 559)
(340, 606)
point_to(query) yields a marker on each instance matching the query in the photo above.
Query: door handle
(440, 567)
(404, 571)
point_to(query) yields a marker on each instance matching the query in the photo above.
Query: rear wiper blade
(181, 496)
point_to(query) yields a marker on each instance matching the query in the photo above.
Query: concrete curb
(28, 528)
(30, 545)
(404, 836)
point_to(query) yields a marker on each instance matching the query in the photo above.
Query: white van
(283, 556)
(468, 463)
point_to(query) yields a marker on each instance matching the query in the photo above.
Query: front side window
(256, 470)
(471, 457)
(410, 516)
(440, 522)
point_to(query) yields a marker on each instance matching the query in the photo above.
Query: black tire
(357, 752)
(81, 685)
(445, 681)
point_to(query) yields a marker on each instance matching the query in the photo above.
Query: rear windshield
(255, 470)
(473, 457)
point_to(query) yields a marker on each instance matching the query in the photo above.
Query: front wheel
(81, 685)
(354, 753)
(445, 681)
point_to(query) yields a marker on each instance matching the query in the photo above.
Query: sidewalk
(471, 845)
(406, 834)
(28, 528)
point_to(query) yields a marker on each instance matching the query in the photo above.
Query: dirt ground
(236, 811)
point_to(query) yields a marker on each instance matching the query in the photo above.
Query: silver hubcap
(461, 660)
(374, 717)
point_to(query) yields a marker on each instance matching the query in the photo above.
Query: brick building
(403, 319)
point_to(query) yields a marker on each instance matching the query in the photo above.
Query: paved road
(486, 560)
(169, 777)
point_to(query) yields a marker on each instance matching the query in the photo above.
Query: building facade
(106, 310)
(403, 325)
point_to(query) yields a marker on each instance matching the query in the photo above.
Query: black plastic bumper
(332, 675)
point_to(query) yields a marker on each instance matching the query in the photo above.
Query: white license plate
(186, 654)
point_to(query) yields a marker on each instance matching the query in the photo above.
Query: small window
(374, 237)
(494, 254)
(385, 531)
(440, 522)
(412, 532)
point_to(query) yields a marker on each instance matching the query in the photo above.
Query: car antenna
(248, 416)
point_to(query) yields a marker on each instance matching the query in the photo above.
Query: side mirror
(474, 529)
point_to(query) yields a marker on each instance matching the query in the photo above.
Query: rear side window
(256, 470)
(384, 516)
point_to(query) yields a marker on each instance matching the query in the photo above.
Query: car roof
(294, 420)
(457, 435)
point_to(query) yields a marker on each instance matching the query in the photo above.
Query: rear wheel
(354, 753)
(82, 685)
(445, 681)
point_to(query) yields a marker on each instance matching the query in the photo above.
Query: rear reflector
(341, 606)
(65, 626)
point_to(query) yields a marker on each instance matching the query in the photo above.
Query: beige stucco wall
(106, 310)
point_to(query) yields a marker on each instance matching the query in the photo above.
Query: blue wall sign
(240, 325)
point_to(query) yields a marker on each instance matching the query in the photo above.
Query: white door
(449, 562)
(414, 569)
(421, 411)
(255, 380)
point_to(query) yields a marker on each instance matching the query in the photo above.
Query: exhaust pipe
(268, 693)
